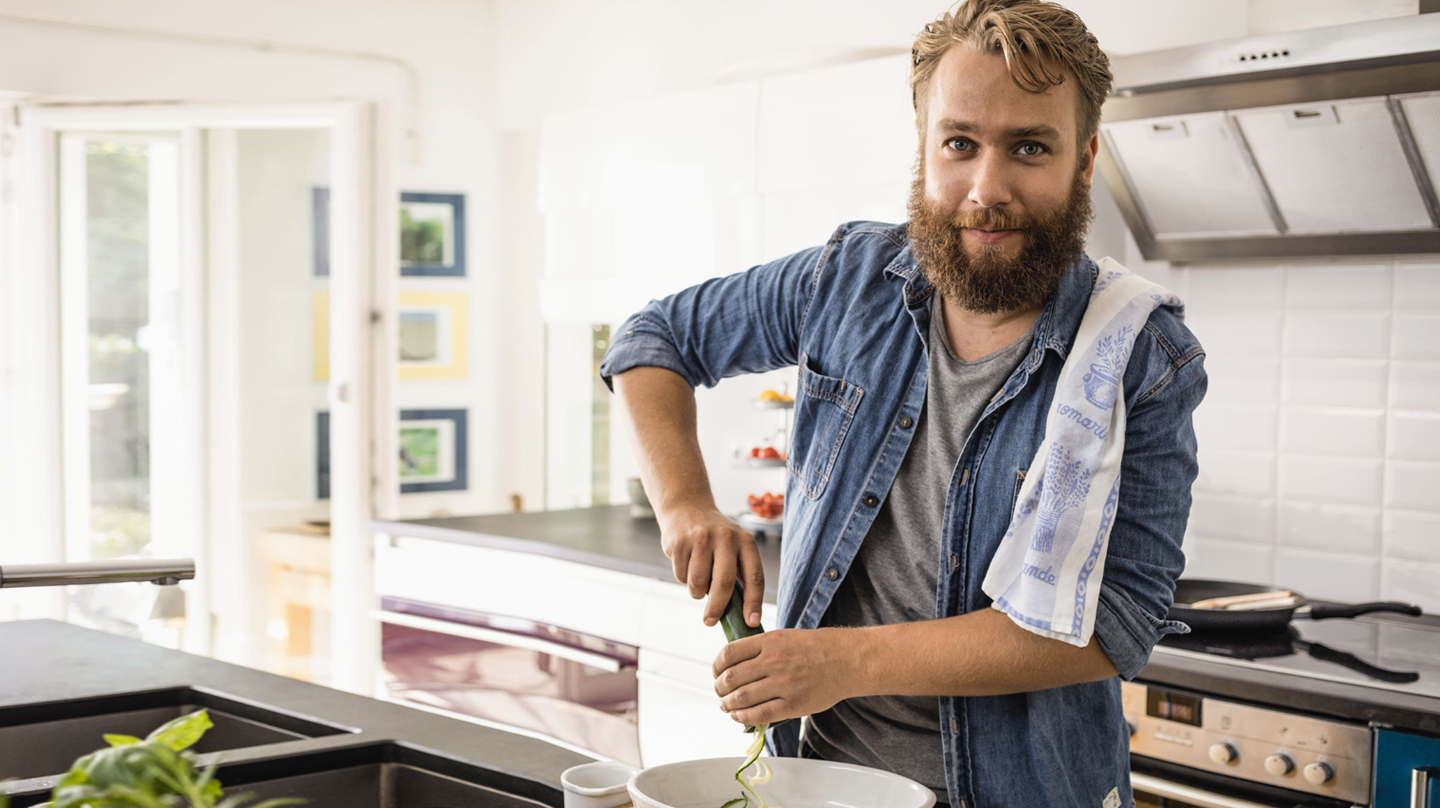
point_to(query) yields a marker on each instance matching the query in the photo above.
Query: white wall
(431, 59)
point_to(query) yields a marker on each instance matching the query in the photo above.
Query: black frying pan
(1193, 590)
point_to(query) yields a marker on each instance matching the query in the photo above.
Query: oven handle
(1420, 786)
(1189, 794)
(505, 638)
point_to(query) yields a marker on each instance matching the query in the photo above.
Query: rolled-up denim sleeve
(748, 322)
(1144, 557)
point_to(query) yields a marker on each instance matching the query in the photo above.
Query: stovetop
(1377, 651)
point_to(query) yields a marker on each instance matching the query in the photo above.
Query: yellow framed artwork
(433, 338)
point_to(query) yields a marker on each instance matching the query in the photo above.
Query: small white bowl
(597, 785)
(797, 783)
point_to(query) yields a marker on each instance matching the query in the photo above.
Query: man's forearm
(661, 408)
(978, 654)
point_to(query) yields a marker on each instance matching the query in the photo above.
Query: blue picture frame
(457, 480)
(453, 268)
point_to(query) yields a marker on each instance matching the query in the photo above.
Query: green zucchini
(733, 622)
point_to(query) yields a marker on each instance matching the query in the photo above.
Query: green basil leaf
(120, 740)
(182, 732)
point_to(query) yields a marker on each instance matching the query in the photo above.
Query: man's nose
(990, 186)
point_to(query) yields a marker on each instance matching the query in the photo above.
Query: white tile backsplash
(1342, 287)
(1412, 582)
(1251, 382)
(1333, 431)
(1417, 336)
(1347, 480)
(1227, 426)
(1415, 435)
(1340, 576)
(1414, 385)
(1324, 526)
(1233, 517)
(1414, 535)
(1336, 335)
(1247, 334)
(1336, 382)
(1230, 288)
(1345, 502)
(1417, 286)
(1413, 486)
(1231, 472)
(1207, 557)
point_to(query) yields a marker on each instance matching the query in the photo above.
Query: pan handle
(1356, 609)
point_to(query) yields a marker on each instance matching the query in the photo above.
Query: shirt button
(833, 573)
(871, 501)
(906, 423)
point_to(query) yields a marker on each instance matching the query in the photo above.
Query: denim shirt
(853, 315)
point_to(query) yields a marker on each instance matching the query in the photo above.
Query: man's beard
(989, 282)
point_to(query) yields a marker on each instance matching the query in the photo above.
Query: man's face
(1001, 202)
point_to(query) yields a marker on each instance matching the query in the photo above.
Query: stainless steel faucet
(162, 571)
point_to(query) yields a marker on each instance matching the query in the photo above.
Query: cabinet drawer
(672, 624)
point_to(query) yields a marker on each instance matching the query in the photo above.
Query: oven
(1189, 750)
(576, 689)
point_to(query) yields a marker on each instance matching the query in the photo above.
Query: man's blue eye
(954, 140)
(1041, 149)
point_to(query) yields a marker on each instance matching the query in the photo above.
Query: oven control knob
(1223, 753)
(1279, 764)
(1318, 773)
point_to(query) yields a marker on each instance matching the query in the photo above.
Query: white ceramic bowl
(600, 784)
(798, 783)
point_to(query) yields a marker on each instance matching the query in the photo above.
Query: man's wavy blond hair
(1040, 42)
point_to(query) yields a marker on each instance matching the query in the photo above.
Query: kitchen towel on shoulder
(1046, 573)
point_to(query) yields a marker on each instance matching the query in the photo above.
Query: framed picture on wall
(433, 452)
(432, 233)
(434, 335)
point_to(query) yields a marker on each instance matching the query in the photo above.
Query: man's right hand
(709, 551)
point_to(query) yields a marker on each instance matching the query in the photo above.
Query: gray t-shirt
(895, 576)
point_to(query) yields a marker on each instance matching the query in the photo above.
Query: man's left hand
(778, 675)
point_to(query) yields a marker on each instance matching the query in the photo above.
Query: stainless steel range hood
(1303, 143)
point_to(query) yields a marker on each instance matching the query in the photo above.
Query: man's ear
(1090, 151)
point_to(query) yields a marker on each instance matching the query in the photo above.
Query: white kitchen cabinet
(680, 716)
(594, 601)
(808, 140)
(644, 199)
(797, 219)
(683, 146)
(672, 624)
(680, 719)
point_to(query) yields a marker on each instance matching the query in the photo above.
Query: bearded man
(929, 357)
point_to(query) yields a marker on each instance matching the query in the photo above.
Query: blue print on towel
(1107, 516)
(1064, 487)
(1105, 281)
(1102, 383)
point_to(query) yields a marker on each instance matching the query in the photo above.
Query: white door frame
(364, 250)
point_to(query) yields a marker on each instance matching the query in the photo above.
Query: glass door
(126, 395)
(219, 378)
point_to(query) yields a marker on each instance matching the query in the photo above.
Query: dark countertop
(47, 660)
(605, 536)
(608, 537)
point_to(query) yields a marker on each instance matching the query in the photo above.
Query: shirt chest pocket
(824, 411)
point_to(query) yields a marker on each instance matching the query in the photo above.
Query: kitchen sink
(39, 740)
(383, 774)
